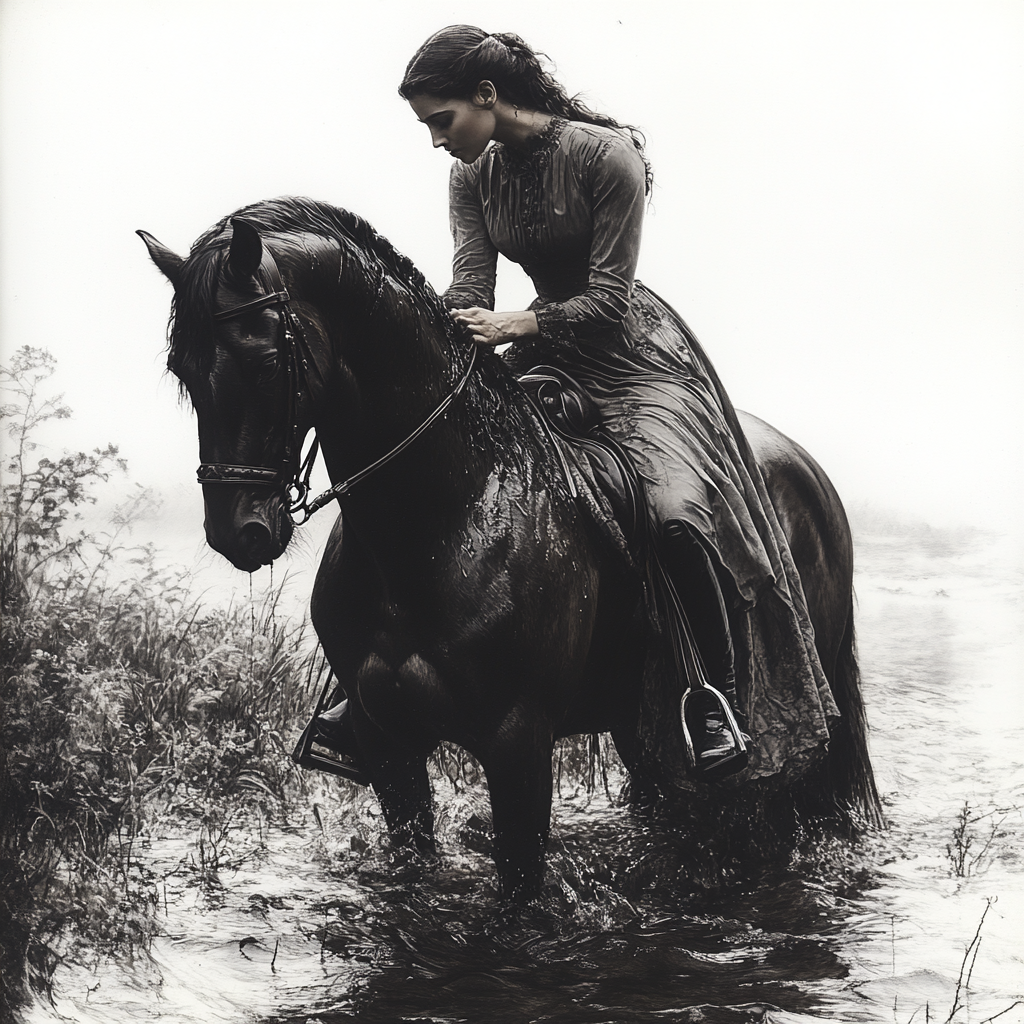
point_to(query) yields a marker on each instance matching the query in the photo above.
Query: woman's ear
(486, 95)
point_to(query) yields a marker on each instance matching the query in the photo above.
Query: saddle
(572, 416)
(709, 726)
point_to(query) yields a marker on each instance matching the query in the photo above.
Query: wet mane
(493, 412)
(190, 346)
(288, 214)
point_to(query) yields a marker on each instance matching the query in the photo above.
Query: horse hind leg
(642, 791)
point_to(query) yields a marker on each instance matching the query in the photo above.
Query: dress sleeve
(618, 183)
(476, 257)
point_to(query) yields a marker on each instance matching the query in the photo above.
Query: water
(322, 925)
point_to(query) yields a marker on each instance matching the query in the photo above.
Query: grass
(123, 698)
(121, 705)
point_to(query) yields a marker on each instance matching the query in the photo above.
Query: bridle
(292, 477)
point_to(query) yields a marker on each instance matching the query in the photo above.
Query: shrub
(121, 696)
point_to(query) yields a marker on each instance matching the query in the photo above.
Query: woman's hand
(490, 328)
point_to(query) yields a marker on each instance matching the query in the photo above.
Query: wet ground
(921, 922)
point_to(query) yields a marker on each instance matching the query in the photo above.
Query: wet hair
(454, 61)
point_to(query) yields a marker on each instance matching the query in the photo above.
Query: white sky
(839, 204)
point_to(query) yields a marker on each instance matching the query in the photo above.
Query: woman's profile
(561, 191)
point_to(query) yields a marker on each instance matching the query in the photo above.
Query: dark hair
(454, 61)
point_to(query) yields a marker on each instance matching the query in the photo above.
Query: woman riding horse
(561, 191)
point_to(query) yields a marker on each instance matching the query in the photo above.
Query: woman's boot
(715, 742)
(333, 729)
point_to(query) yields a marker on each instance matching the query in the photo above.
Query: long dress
(569, 209)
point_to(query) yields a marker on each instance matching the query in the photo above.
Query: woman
(561, 190)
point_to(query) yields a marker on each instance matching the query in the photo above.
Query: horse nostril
(254, 540)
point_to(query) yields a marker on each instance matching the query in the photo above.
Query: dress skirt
(662, 400)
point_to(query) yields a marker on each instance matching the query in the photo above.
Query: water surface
(323, 925)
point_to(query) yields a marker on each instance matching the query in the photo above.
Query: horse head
(235, 348)
(293, 315)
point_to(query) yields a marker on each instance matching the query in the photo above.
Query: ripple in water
(325, 926)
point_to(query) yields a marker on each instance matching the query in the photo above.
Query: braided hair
(454, 61)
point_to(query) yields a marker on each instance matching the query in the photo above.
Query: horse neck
(394, 364)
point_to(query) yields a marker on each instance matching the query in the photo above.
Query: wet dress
(569, 209)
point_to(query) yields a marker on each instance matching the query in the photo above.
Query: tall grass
(122, 697)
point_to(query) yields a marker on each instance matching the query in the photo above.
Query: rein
(342, 489)
(296, 480)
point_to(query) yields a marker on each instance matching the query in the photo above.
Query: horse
(463, 595)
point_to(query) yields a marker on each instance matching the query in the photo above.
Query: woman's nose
(438, 141)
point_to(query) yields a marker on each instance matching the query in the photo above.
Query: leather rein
(292, 477)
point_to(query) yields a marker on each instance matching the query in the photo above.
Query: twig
(973, 945)
(992, 835)
(1001, 1012)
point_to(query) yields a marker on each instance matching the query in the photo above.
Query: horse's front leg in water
(396, 760)
(403, 788)
(518, 768)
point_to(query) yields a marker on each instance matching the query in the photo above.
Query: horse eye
(267, 367)
(257, 360)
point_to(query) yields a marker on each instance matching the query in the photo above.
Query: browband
(268, 274)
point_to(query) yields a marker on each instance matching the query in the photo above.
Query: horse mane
(288, 214)
(499, 421)
(190, 326)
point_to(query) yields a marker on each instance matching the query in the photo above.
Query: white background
(838, 206)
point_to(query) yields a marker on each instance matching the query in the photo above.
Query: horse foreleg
(397, 767)
(403, 789)
(518, 772)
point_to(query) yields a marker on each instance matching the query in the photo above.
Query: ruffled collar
(536, 148)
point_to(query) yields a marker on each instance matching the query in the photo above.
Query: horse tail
(843, 788)
(849, 761)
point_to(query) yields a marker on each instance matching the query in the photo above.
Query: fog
(837, 213)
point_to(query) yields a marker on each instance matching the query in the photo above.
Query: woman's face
(463, 127)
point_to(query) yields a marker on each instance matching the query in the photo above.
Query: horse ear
(246, 250)
(168, 262)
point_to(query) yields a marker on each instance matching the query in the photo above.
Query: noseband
(292, 478)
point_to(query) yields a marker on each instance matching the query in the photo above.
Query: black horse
(470, 600)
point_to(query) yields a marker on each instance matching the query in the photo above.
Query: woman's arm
(476, 257)
(618, 189)
(490, 328)
(470, 297)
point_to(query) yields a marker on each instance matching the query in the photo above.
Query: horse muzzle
(249, 530)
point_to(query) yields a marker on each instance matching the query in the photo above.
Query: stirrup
(324, 758)
(697, 702)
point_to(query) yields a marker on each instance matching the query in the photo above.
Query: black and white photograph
(512, 512)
